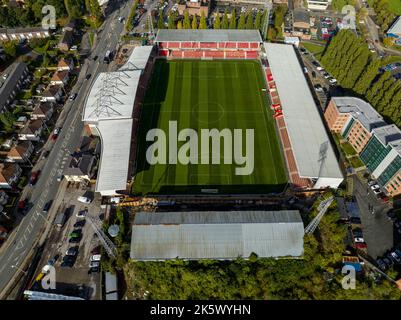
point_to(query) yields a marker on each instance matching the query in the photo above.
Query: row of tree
(243, 21)
(384, 16)
(316, 276)
(348, 58)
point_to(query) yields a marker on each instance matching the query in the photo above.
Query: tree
(187, 21)
(160, 21)
(75, 8)
(179, 25)
(258, 19)
(217, 23)
(241, 22)
(225, 23)
(233, 21)
(194, 22)
(388, 42)
(10, 48)
(171, 23)
(202, 23)
(249, 21)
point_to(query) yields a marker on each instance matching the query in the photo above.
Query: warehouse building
(310, 158)
(219, 44)
(221, 235)
(377, 144)
(109, 114)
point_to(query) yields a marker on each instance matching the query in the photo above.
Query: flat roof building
(223, 235)
(313, 153)
(377, 143)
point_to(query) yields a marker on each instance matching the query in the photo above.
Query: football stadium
(154, 110)
(200, 95)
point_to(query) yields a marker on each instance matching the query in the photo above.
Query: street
(32, 227)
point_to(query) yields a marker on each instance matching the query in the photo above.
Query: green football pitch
(206, 95)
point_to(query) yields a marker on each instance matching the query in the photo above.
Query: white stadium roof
(208, 35)
(305, 127)
(109, 107)
(216, 235)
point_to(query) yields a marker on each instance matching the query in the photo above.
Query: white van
(84, 199)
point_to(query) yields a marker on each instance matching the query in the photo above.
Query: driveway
(377, 228)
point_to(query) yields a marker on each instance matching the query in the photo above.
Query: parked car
(79, 224)
(47, 206)
(73, 96)
(375, 186)
(332, 80)
(45, 154)
(81, 213)
(84, 199)
(318, 87)
(88, 76)
(76, 233)
(395, 257)
(355, 220)
(377, 191)
(73, 251)
(60, 177)
(94, 270)
(96, 257)
(388, 262)
(94, 264)
(75, 240)
(359, 240)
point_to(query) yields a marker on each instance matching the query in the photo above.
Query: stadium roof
(109, 106)
(206, 35)
(216, 235)
(114, 162)
(388, 134)
(396, 27)
(360, 110)
(309, 139)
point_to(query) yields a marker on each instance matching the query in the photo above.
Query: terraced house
(377, 143)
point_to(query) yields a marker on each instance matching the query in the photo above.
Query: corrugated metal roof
(216, 235)
(110, 282)
(304, 124)
(207, 35)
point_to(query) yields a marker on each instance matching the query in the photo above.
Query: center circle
(214, 110)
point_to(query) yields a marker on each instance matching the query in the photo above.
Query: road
(26, 235)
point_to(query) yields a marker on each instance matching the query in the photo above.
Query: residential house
(194, 7)
(60, 78)
(3, 34)
(3, 197)
(83, 160)
(52, 93)
(11, 81)
(66, 41)
(395, 31)
(20, 152)
(65, 65)
(32, 130)
(27, 33)
(42, 111)
(9, 174)
(318, 5)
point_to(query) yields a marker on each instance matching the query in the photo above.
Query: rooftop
(305, 127)
(389, 134)
(361, 111)
(395, 27)
(216, 235)
(7, 84)
(109, 106)
(207, 35)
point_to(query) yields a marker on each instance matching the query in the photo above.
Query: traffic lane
(30, 227)
(376, 227)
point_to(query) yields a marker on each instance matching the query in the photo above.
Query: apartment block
(377, 143)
